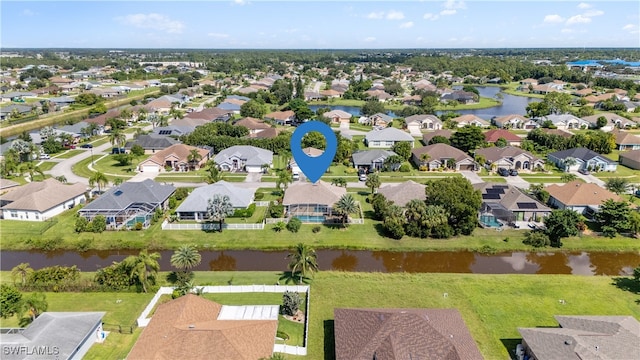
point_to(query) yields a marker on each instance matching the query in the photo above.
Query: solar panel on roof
(501, 186)
(527, 205)
(491, 196)
(495, 191)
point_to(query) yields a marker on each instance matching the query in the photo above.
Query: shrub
(139, 226)
(10, 301)
(99, 224)
(259, 196)
(405, 168)
(181, 193)
(113, 277)
(316, 229)
(536, 239)
(424, 168)
(245, 213)
(294, 224)
(53, 278)
(279, 226)
(290, 303)
(173, 202)
(276, 211)
(81, 224)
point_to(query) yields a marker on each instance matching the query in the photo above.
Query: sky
(262, 24)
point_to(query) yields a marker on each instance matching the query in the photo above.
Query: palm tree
(568, 177)
(569, 162)
(31, 169)
(424, 159)
(219, 208)
(213, 174)
(143, 268)
(62, 179)
(284, 179)
(303, 260)
(21, 270)
(117, 181)
(193, 158)
(373, 182)
(99, 179)
(117, 137)
(186, 258)
(346, 205)
(34, 305)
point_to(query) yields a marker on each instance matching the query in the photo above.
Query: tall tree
(185, 258)
(117, 137)
(22, 271)
(143, 268)
(561, 223)
(303, 261)
(468, 138)
(98, 178)
(617, 185)
(193, 158)
(373, 182)
(219, 208)
(614, 217)
(460, 200)
(403, 149)
(284, 179)
(213, 174)
(10, 301)
(346, 205)
(33, 305)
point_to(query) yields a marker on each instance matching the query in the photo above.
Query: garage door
(150, 168)
(466, 167)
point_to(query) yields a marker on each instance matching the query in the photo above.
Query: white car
(362, 177)
(44, 157)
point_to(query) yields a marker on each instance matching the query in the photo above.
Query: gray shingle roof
(388, 134)
(152, 142)
(366, 157)
(253, 156)
(42, 195)
(65, 331)
(198, 200)
(404, 192)
(121, 196)
(580, 153)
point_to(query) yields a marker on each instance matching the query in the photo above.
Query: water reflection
(578, 263)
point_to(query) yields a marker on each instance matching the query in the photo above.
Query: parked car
(86, 146)
(118, 150)
(503, 172)
(513, 172)
(295, 176)
(362, 177)
(44, 157)
(584, 172)
(69, 146)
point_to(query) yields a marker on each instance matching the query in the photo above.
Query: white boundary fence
(144, 318)
(210, 226)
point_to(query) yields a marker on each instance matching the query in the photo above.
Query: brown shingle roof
(365, 334)
(404, 192)
(179, 151)
(187, 328)
(430, 135)
(280, 115)
(317, 193)
(495, 134)
(441, 151)
(252, 123)
(577, 193)
(625, 138)
(42, 195)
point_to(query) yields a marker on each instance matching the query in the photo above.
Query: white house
(244, 158)
(386, 138)
(41, 200)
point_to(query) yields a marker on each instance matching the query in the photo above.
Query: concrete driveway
(589, 178)
(517, 181)
(473, 177)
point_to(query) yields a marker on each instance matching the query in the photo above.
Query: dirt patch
(298, 317)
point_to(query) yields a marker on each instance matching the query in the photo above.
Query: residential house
(508, 204)
(386, 138)
(403, 192)
(41, 200)
(445, 133)
(436, 156)
(417, 123)
(312, 202)
(379, 120)
(629, 106)
(583, 92)
(626, 141)
(229, 106)
(194, 207)
(412, 100)
(176, 157)
(424, 85)
(244, 158)
(564, 133)
(630, 159)
(613, 121)
(174, 129)
(584, 198)
(8, 111)
(54, 335)
(151, 143)
(371, 159)
(254, 125)
(129, 203)
(207, 329)
(581, 337)
(510, 157)
(380, 95)
(388, 333)
(211, 114)
(337, 116)
(528, 81)
(61, 102)
(515, 121)
(269, 133)
(6, 184)
(565, 121)
(189, 123)
(494, 135)
(282, 117)
(462, 97)
(331, 93)
(584, 159)
(309, 151)
(470, 119)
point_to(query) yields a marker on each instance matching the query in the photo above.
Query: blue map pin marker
(313, 167)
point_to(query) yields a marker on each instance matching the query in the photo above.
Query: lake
(576, 263)
(511, 104)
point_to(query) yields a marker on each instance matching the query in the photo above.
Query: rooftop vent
(568, 342)
(192, 326)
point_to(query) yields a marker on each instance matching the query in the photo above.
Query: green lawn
(47, 165)
(494, 179)
(69, 154)
(492, 306)
(256, 218)
(81, 168)
(108, 165)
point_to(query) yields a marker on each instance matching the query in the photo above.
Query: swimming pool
(489, 221)
(311, 218)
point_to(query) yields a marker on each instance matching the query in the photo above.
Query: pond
(576, 263)
(511, 104)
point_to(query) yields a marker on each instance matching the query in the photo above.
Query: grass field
(47, 165)
(69, 154)
(492, 306)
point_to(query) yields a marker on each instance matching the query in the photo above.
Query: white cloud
(430, 16)
(395, 15)
(376, 15)
(28, 12)
(406, 25)
(553, 19)
(240, 2)
(567, 31)
(631, 28)
(453, 4)
(448, 12)
(592, 13)
(153, 21)
(583, 6)
(218, 35)
(578, 19)
(369, 39)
